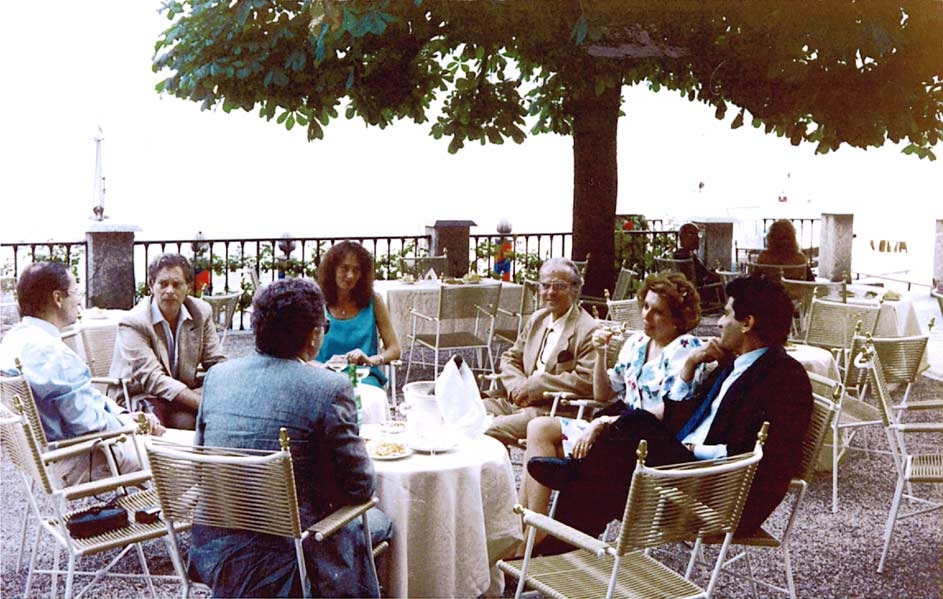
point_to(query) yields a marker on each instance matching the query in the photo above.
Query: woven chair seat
(926, 468)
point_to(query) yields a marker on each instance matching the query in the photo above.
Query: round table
(815, 359)
(452, 520)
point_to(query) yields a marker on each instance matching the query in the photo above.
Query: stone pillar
(938, 253)
(451, 237)
(836, 237)
(716, 242)
(110, 266)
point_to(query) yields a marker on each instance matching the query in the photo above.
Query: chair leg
(746, 553)
(145, 570)
(835, 443)
(409, 361)
(69, 578)
(891, 520)
(19, 553)
(32, 562)
(787, 565)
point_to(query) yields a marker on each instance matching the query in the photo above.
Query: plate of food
(472, 278)
(384, 449)
(408, 279)
(891, 296)
(393, 427)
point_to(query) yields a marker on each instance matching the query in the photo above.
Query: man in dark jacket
(755, 381)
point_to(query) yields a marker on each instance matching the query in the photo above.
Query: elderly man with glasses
(554, 352)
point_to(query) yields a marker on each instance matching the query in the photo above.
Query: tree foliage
(829, 72)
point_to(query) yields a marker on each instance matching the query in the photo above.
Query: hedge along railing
(16, 256)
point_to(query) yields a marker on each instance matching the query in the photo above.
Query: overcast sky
(172, 170)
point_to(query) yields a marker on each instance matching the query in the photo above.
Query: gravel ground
(834, 555)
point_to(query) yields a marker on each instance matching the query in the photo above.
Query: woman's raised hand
(356, 356)
(601, 338)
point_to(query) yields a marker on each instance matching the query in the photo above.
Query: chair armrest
(85, 446)
(103, 485)
(338, 519)
(511, 313)
(586, 403)
(415, 312)
(562, 531)
(129, 429)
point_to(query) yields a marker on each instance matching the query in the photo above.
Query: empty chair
(53, 504)
(900, 360)
(451, 329)
(99, 345)
(911, 467)
(801, 293)
(242, 489)
(224, 307)
(529, 303)
(625, 281)
(668, 504)
(833, 325)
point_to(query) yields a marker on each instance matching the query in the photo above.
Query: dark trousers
(598, 494)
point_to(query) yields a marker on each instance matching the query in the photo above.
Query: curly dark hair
(284, 313)
(769, 304)
(169, 260)
(327, 271)
(781, 238)
(36, 284)
(682, 298)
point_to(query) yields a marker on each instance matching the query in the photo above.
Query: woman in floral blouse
(645, 376)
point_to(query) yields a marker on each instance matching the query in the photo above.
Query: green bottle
(352, 374)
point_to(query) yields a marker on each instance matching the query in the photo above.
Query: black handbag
(97, 520)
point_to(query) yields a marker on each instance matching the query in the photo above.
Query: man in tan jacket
(554, 352)
(163, 340)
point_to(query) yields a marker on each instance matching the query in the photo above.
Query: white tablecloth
(452, 517)
(815, 359)
(424, 296)
(898, 317)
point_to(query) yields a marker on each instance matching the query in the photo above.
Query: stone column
(716, 242)
(451, 237)
(938, 252)
(110, 266)
(836, 237)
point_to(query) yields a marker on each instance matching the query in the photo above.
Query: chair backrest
(900, 357)
(463, 301)
(682, 502)
(530, 299)
(583, 265)
(823, 410)
(623, 286)
(626, 311)
(777, 272)
(230, 488)
(18, 438)
(253, 276)
(17, 397)
(826, 386)
(868, 361)
(683, 265)
(834, 324)
(224, 307)
(99, 343)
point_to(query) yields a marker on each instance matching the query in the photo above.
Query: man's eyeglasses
(555, 285)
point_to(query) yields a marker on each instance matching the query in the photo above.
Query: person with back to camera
(356, 312)
(782, 249)
(163, 341)
(60, 380)
(755, 381)
(646, 376)
(245, 403)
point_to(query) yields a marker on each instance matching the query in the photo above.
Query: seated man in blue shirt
(69, 405)
(755, 381)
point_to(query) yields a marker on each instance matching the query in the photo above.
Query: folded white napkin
(459, 399)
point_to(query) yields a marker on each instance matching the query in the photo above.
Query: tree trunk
(595, 185)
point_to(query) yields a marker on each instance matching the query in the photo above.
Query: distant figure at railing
(164, 340)
(782, 248)
(689, 238)
(355, 312)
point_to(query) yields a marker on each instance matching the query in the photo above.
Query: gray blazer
(245, 402)
(141, 351)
